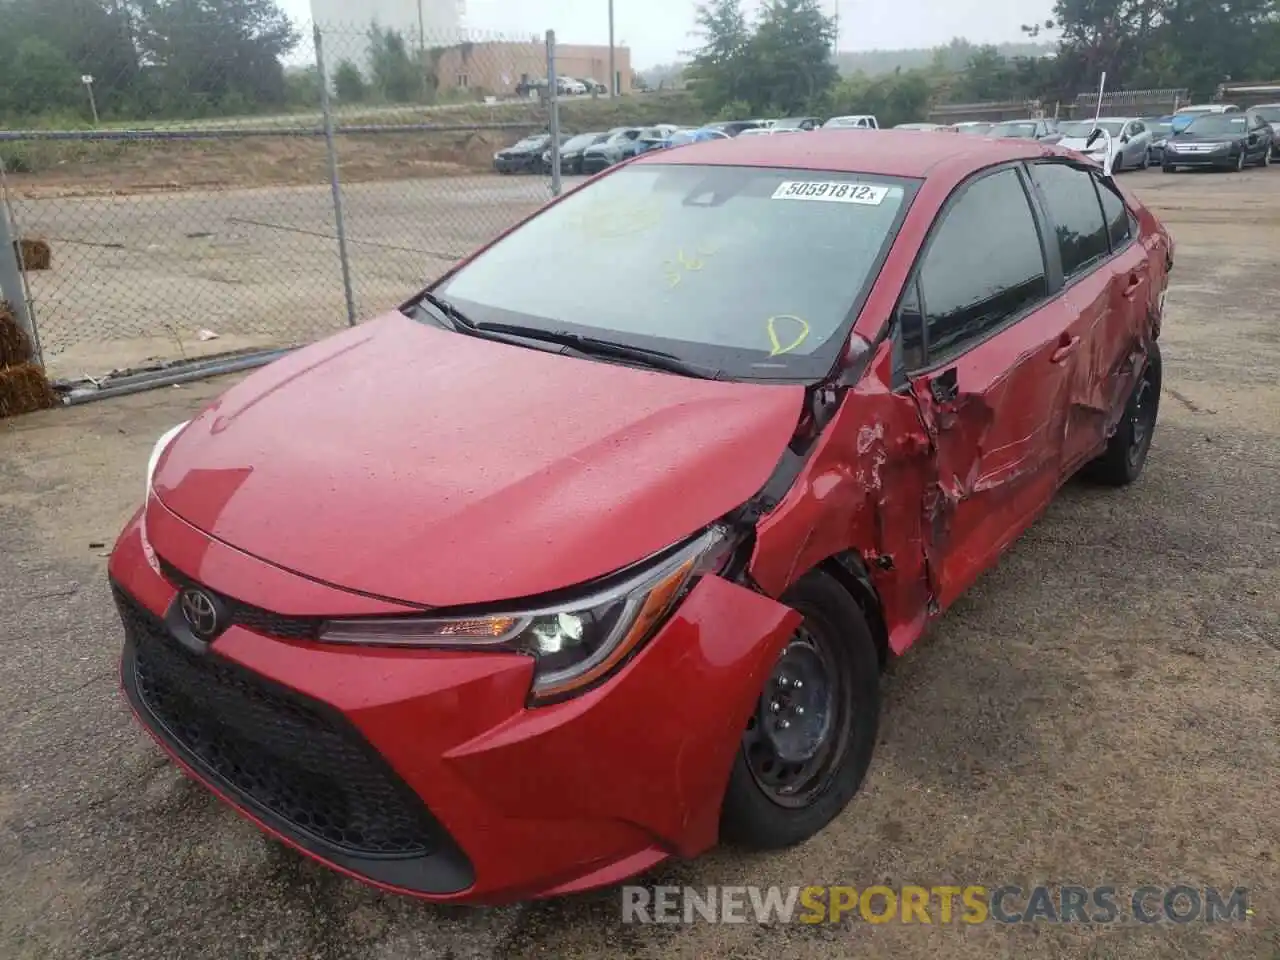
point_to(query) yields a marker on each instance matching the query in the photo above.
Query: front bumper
(594, 163)
(516, 164)
(1225, 159)
(423, 771)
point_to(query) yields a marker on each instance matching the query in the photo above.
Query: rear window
(1013, 130)
(756, 272)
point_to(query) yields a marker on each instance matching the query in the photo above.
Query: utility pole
(613, 69)
(422, 50)
(835, 42)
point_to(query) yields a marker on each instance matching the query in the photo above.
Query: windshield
(1218, 123)
(1027, 129)
(752, 271)
(1080, 129)
(529, 143)
(844, 122)
(1269, 114)
(976, 128)
(1160, 128)
(581, 141)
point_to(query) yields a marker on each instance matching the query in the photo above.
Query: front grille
(290, 758)
(247, 616)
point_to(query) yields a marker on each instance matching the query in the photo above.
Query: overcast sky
(658, 30)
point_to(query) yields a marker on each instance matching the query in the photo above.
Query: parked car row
(588, 153)
(1217, 135)
(1208, 135)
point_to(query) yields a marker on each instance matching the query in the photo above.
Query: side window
(984, 264)
(911, 328)
(1115, 212)
(1072, 202)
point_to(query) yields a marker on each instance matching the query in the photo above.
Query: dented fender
(860, 491)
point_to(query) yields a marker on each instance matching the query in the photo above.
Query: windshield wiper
(592, 346)
(587, 346)
(457, 319)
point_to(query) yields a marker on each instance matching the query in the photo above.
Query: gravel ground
(139, 276)
(1102, 708)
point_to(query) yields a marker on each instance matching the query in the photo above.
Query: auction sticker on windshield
(832, 192)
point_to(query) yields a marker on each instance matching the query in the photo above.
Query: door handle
(1131, 288)
(1066, 347)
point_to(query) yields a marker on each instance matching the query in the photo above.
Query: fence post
(553, 91)
(12, 287)
(339, 220)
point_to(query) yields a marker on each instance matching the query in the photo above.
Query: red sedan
(573, 564)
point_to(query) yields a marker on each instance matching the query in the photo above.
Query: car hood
(1081, 144)
(407, 462)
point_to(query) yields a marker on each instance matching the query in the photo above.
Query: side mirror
(1125, 138)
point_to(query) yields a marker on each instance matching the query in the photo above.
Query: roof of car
(893, 153)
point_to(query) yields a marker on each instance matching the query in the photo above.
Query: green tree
(348, 83)
(36, 77)
(790, 53)
(208, 56)
(720, 66)
(396, 77)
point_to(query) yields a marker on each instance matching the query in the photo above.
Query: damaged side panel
(860, 490)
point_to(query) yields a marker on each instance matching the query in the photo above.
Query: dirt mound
(35, 254)
(24, 388)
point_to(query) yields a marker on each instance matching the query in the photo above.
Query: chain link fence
(173, 240)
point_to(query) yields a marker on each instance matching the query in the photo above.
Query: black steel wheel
(807, 745)
(1126, 453)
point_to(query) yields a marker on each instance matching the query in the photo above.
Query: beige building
(499, 67)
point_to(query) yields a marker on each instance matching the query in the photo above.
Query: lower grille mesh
(273, 747)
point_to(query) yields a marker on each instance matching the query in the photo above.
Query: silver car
(1130, 139)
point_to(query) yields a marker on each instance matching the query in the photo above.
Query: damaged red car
(574, 564)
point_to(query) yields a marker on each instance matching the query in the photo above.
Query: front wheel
(807, 746)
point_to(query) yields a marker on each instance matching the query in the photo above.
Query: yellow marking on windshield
(775, 338)
(610, 220)
(676, 269)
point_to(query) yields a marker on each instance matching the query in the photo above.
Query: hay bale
(24, 389)
(35, 254)
(15, 346)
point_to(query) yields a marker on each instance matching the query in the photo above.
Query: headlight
(575, 644)
(497, 156)
(158, 450)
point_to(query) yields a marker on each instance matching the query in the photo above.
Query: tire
(833, 648)
(1126, 454)
(1168, 167)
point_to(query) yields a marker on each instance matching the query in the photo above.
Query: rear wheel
(1126, 454)
(808, 744)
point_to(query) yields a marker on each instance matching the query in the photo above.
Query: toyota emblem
(200, 613)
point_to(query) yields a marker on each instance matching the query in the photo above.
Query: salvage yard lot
(1101, 709)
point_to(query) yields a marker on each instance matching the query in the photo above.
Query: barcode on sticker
(831, 192)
